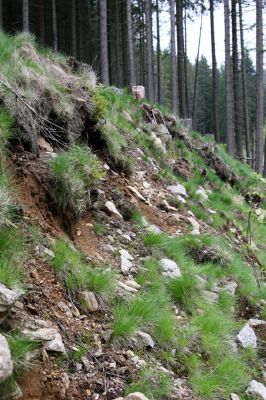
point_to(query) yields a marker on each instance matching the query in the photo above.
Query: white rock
(6, 364)
(234, 396)
(125, 264)
(136, 193)
(256, 390)
(126, 254)
(147, 339)
(112, 210)
(170, 268)
(88, 301)
(177, 189)
(133, 284)
(247, 338)
(126, 287)
(136, 396)
(159, 144)
(7, 296)
(212, 297)
(201, 192)
(230, 287)
(56, 344)
(153, 229)
(256, 322)
(42, 334)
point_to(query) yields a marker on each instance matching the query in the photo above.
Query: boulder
(146, 339)
(256, 390)
(203, 195)
(6, 364)
(125, 253)
(247, 337)
(170, 268)
(7, 299)
(136, 396)
(88, 301)
(177, 189)
(111, 209)
(51, 337)
(234, 396)
(56, 344)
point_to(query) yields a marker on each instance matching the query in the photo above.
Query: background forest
(121, 39)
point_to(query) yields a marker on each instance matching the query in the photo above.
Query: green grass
(11, 275)
(185, 291)
(75, 173)
(98, 229)
(20, 347)
(79, 275)
(153, 384)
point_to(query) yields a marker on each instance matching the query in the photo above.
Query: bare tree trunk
(214, 76)
(173, 58)
(42, 21)
(149, 51)
(132, 70)
(74, 29)
(244, 85)
(180, 59)
(54, 16)
(159, 91)
(118, 54)
(260, 88)
(228, 82)
(236, 84)
(185, 64)
(196, 76)
(104, 64)
(25, 12)
(1, 14)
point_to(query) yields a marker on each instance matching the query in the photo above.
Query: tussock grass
(20, 348)
(185, 291)
(154, 384)
(75, 173)
(79, 275)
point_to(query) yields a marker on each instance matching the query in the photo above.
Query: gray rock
(127, 288)
(125, 265)
(256, 390)
(88, 301)
(212, 297)
(203, 195)
(51, 337)
(177, 189)
(170, 268)
(247, 338)
(7, 299)
(56, 344)
(136, 396)
(126, 254)
(146, 339)
(234, 396)
(6, 364)
(111, 209)
(255, 323)
(230, 287)
(153, 229)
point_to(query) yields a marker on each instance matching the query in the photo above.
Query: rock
(6, 364)
(125, 265)
(158, 142)
(194, 223)
(138, 92)
(43, 144)
(126, 254)
(256, 390)
(12, 393)
(162, 129)
(153, 229)
(88, 301)
(146, 339)
(230, 287)
(247, 338)
(42, 334)
(203, 195)
(136, 193)
(212, 297)
(47, 251)
(234, 396)
(136, 396)
(7, 299)
(255, 323)
(178, 189)
(110, 208)
(170, 268)
(133, 284)
(56, 344)
(126, 287)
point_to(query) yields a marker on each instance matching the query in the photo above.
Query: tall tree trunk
(228, 82)
(54, 17)
(180, 59)
(104, 64)
(1, 14)
(244, 85)
(214, 76)
(236, 84)
(260, 88)
(118, 53)
(173, 58)
(74, 28)
(42, 22)
(149, 51)
(196, 77)
(185, 64)
(159, 74)
(132, 70)
(25, 15)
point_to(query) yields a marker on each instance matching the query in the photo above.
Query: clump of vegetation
(75, 173)
(185, 291)
(152, 383)
(78, 274)
(98, 229)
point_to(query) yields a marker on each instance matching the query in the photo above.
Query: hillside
(132, 252)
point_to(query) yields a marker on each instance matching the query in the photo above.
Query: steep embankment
(132, 253)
